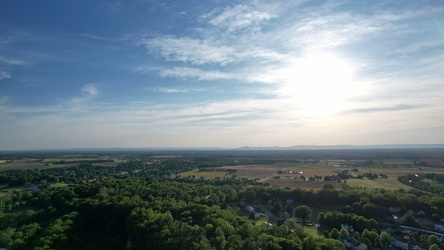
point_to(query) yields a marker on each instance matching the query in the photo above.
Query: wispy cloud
(195, 51)
(190, 73)
(90, 90)
(174, 90)
(12, 61)
(185, 73)
(399, 107)
(4, 75)
(237, 17)
(330, 31)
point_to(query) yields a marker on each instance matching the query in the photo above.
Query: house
(329, 178)
(257, 215)
(439, 227)
(398, 220)
(347, 227)
(250, 209)
(414, 245)
(420, 212)
(287, 214)
(290, 201)
(383, 176)
(395, 209)
(351, 243)
(401, 243)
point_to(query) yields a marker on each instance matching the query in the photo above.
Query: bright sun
(321, 82)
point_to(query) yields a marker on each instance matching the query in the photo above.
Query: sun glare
(321, 82)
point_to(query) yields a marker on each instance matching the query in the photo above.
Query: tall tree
(302, 212)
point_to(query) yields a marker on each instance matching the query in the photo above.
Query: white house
(249, 209)
(347, 227)
(439, 227)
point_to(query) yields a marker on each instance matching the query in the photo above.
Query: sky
(151, 73)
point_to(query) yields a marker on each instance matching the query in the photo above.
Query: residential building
(401, 243)
(347, 227)
(352, 244)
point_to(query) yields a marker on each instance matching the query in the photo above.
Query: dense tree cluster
(145, 214)
(430, 182)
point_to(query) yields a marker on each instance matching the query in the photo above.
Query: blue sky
(148, 73)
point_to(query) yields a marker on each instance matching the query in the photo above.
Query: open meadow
(298, 175)
(389, 183)
(54, 162)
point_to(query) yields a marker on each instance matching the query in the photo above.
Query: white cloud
(184, 73)
(174, 90)
(330, 31)
(11, 61)
(4, 75)
(90, 90)
(194, 73)
(191, 50)
(237, 17)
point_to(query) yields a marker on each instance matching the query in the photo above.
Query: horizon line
(215, 148)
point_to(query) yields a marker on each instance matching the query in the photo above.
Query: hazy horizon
(242, 148)
(195, 74)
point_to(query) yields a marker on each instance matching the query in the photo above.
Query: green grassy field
(262, 220)
(313, 230)
(389, 183)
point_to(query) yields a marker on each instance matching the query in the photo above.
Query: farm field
(22, 165)
(389, 183)
(289, 175)
(54, 162)
(209, 174)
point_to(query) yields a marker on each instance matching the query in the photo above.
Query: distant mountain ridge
(320, 147)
